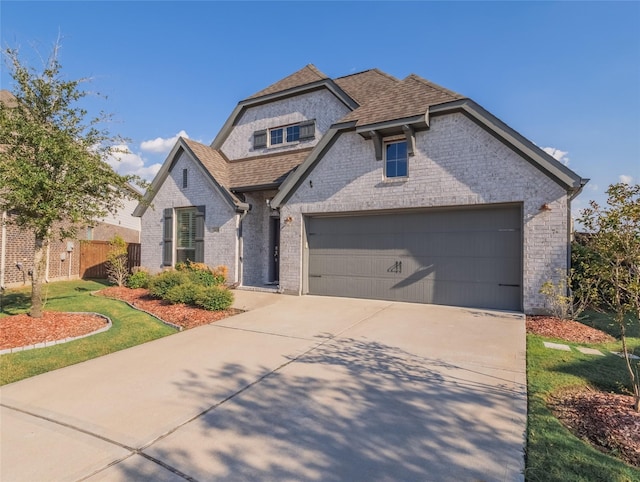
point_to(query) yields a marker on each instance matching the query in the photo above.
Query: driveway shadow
(353, 409)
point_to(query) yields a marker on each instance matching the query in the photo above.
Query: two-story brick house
(366, 186)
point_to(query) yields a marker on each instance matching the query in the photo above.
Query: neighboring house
(366, 186)
(63, 256)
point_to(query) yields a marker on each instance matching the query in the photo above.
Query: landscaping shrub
(139, 279)
(214, 298)
(184, 293)
(160, 284)
(201, 274)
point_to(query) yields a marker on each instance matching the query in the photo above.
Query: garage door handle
(513, 286)
(315, 276)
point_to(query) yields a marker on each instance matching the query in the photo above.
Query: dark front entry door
(274, 250)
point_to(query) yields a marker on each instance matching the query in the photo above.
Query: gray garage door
(469, 257)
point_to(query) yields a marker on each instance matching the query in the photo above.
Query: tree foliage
(54, 177)
(613, 245)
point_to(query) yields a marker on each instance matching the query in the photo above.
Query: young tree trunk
(39, 268)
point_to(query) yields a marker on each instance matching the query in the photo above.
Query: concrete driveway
(297, 388)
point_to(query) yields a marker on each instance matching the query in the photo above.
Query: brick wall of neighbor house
(255, 234)
(20, 245)
(322, 106)
(456, 163)
(220, 218)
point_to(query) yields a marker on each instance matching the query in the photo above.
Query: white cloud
(127, 162)
(162, 145)
(626, 179)
(557, 154)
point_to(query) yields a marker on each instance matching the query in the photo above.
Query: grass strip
(130, 328)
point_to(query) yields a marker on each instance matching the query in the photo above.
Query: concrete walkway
(297, 388)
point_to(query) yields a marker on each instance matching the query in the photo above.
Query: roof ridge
(304, 76)
(375, 69)
(433, 85)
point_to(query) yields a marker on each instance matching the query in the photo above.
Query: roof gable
(306, 75)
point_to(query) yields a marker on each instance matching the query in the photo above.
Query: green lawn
(130, 327)
(553, 453)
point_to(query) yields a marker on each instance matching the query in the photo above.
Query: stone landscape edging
(45, 344)
(168, 323)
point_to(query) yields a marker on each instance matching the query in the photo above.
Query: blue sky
(566, 75)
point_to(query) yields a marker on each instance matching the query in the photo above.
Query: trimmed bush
(214, 298)
(160, 284)
(139, 279)
(184, 293)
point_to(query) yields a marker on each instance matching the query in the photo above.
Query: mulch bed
(606, 420)
(23, 330)
(568, 330)
(182, 315)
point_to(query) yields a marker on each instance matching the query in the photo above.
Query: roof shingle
(306, 75)
(409, 97)
(363, 85)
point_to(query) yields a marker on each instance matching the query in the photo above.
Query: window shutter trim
(308, 129)
(167, 238)
(260, 139)
(199, 238)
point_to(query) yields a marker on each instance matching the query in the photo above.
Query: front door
(274, 250)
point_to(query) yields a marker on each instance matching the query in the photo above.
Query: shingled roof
(364, 85)
(251, 172)
(306, 75)
(409, 97)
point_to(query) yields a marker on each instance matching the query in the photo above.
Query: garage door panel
(466, 257)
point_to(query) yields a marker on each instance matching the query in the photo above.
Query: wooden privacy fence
(93, 258)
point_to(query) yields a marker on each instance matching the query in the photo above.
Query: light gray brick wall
(320, 105)
(457, 163)
(221, 240)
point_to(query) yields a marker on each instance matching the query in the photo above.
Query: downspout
(3, 251)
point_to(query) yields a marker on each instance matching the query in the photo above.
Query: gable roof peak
(306, 75)
(433, 85)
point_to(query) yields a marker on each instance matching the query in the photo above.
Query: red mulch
(606, 420)
(182, 315)
(22, 330)
(566, 330)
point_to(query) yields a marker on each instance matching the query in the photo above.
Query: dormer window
(282, 135)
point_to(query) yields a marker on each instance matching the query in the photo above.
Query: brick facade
(221, 221)
(457, 163)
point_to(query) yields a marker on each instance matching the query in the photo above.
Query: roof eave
(418, 122)
(163, 173)
(571, 181)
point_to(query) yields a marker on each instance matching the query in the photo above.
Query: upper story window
(395, 160)
(283, 135)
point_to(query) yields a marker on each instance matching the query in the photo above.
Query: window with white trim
(185, 235)
(283, 135)
(395, 159)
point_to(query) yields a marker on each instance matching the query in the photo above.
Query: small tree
(614, 241)
(53, 174)
(117, 261)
